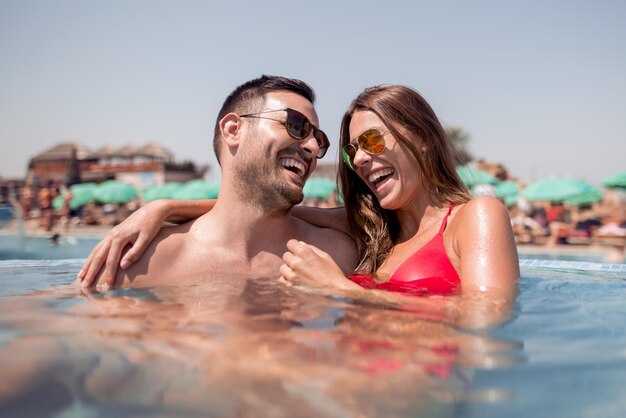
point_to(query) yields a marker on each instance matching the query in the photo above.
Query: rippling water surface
(235, 348)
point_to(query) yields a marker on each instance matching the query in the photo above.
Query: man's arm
(132, 237)
(160, 262)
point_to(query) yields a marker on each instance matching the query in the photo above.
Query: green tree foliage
(460, 140)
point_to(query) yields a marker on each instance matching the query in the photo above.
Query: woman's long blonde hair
(415, 126)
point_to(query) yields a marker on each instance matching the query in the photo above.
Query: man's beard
(261, 185)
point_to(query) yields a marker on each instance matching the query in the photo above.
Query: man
(267, 142)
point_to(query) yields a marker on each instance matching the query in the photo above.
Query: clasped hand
(307, 263)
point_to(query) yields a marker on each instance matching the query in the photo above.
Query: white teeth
(379, 174)
(293, 163)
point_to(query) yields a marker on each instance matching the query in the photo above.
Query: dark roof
(152, 149)
(63, 151)
(126, 151)
(105, 151)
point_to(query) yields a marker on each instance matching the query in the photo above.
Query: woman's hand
(307, 263)
(137, 231)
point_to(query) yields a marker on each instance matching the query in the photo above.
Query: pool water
(6, 214)
(593, 257)
(16, 247)
(247, 348)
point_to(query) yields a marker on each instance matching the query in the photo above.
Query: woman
(411, 216)
(416, 227)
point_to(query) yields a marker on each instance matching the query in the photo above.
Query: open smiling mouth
(380, 176)
(293, 165)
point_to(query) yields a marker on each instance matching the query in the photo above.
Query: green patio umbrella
(616, 181)
(113, 191)
(197, 190)
(590, 196)
(161, 191)
(508, 188)
(558, 189)
(472, 177)
(511, 200)
(195, 182)
(318, 187)
(82, 194)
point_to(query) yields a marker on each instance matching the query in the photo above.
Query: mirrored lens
(322, 142)
(297, 125)
(372, 141)
(347, 153)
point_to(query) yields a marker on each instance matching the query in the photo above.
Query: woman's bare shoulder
(480, 218)
(485, 245)
(479, 207)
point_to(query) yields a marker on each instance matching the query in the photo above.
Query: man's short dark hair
(250, 96)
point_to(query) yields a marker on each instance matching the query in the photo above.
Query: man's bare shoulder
(162, 259)
(339, 245)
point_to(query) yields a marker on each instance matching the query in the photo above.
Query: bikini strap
(444, 223)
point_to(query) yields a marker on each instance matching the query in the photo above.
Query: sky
(539, 86)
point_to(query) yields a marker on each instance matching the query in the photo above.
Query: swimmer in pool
(416, 227)
(267, 142)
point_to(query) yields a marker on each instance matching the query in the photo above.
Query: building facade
(149, 165)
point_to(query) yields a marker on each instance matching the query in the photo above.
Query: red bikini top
(426, 271)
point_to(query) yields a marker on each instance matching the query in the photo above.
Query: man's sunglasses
(298, 127)
(370, 141)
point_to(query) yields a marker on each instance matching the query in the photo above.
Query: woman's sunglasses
(370, 141)
(297, 126)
